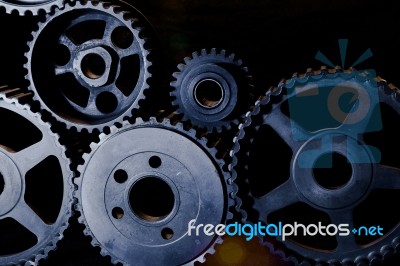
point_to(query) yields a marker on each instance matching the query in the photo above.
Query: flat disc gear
(35, 186)
(87, 65)
(212, 90)
(340, 174)
(139, 189)
(32, 6)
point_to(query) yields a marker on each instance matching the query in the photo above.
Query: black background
(273, 38)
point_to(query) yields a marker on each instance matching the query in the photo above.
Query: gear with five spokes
(333, 167)
(97, 69)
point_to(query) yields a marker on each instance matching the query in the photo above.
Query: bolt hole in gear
(35, 186)
(331, 168)
(212, 90)
(97, 70)
(149, 191)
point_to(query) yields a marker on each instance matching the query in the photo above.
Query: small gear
(139, 189)
(36, 189)
(31, 6)
(87, 65)
(212, 90)
(339, 174)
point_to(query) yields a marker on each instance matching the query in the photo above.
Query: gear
(32, 6)
(212, 90)
(136, 196)
(350, 164)
(98, 71)
(36, 189)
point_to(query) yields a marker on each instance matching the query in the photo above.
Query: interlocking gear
(32, 6)
(96, 70)
(35, 186)
(139, 188)
(212, 90)
(298, 187)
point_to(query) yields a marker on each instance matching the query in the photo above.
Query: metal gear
(212, 90)
(98, 70)
(36, 189)
(286, 192)
(31, 6)
(139, 188)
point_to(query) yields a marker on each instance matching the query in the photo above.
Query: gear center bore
(151, 198)
(336, 176)
(333, 170)
(94, 66)
(10, 184)
(208, 93)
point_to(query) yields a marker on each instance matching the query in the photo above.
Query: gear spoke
(62, 70)
(283, 127)
(347, 242)
(387, 177)
(111, 25)
(277, 199)
(30, 220)
(64, 40)
(29, 157)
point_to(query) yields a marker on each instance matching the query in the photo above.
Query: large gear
(98, 70)
(212, 90)
(292, 189)
(36, 189)
(31, 6)
(139, 188)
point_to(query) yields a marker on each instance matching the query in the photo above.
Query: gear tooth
(204, 52)
(187, 60)
(387, 252)
(213, 52)
(396, 245)
(223, 53)
(195, 55)
(374, 261)
(176, 75)
(181, 67)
